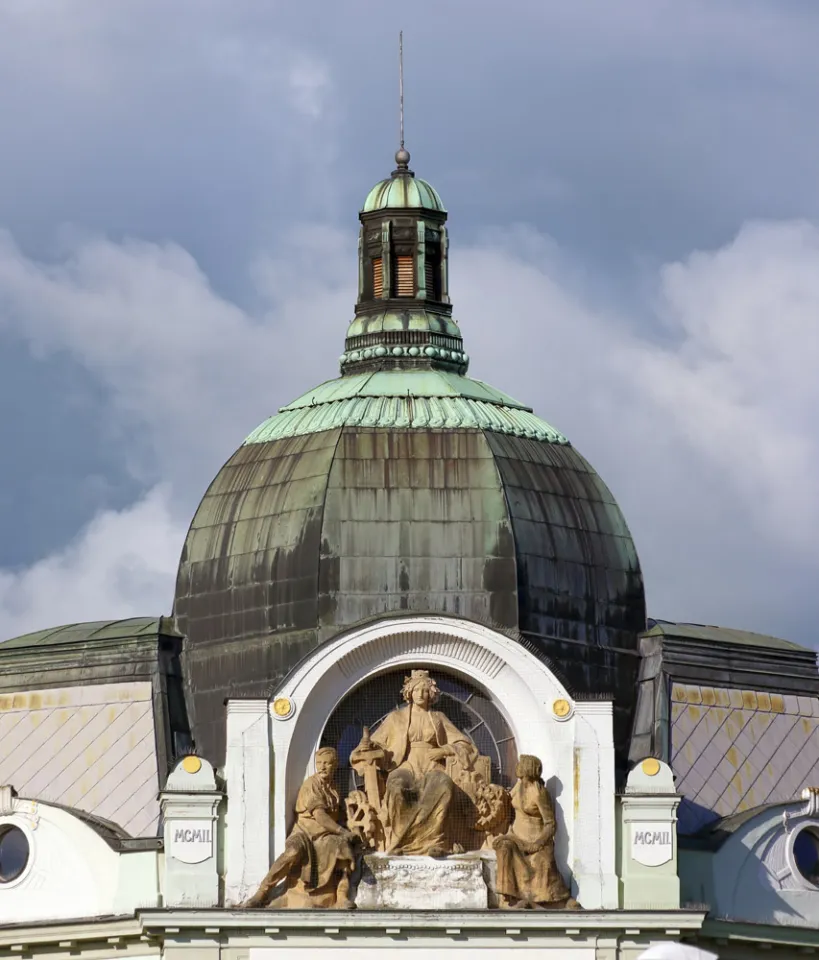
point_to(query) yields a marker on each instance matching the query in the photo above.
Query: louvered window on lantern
(378, 277)
(432, 269)
(404, 277)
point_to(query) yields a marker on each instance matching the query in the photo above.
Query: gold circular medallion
(650, 767)
(562, 708)
(282, 707)
(191, 764)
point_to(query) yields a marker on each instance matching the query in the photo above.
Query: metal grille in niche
(430, 279)
(467, 706)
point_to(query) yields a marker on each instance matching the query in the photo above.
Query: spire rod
(402, 156)
(401, 87)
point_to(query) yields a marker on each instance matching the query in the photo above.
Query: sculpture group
(427, 792)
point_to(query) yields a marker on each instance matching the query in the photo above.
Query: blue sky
(633, 206)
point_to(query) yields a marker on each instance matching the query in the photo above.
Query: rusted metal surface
(249, 571)
(578, 571)
(300, 538)
(415, 520)
(581, 599)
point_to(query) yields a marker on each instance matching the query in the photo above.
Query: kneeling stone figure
(319, 855)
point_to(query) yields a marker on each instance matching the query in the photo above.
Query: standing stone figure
(319, 855)
(527, 871)
(420, 807)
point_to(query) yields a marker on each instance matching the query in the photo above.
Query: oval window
(806, 855)
(14, 853)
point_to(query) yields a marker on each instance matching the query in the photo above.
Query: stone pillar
(190, 808)
(593, 798)
(647, 839)
(247, 821)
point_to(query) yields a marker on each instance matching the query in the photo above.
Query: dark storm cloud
(628, 134)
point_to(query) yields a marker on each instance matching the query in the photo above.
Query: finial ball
(402, 157)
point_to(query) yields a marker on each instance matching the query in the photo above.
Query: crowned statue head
(420, 690)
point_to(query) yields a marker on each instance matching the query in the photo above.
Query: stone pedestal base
(423, 883)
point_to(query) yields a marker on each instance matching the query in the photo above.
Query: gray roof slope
(712, 634)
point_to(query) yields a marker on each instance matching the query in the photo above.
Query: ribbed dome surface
(324, 518)
(403, 192)
(436, 399)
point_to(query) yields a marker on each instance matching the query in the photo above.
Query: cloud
(188, 372)
(704, 429)
(740, 386)
(123, 564)
(704, 426)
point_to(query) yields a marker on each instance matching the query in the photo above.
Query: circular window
(806, 854)
(14, 853)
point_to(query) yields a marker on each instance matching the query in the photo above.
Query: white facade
(89, 890)
(71, 872)
(573, 740)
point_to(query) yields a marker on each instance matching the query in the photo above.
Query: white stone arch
(522, 687)
(576, 748)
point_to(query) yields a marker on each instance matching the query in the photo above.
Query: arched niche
(521, 687)
(574, 740)
(468, 705)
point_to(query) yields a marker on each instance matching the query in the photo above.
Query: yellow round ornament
(191, 764)
(282, 707)
(650, 767)
(561, 708)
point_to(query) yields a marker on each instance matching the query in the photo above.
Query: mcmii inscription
(191, 840)
(652, 844)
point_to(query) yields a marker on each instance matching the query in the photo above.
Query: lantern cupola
(403, 315)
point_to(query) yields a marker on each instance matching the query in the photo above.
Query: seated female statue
(421, 803)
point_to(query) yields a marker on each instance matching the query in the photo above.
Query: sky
(634, 223)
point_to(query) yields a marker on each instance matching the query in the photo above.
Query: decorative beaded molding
(458, 360)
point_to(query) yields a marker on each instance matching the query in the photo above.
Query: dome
(404, 487)
(402, 491)
(403, 190)
(400, 192)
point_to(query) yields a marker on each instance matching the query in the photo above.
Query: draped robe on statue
(323, 853)
(420, 797)
(527, 870)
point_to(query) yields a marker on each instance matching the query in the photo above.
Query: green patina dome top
(405, 399)
(403, 190)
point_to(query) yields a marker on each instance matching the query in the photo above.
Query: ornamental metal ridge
(408, 413)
